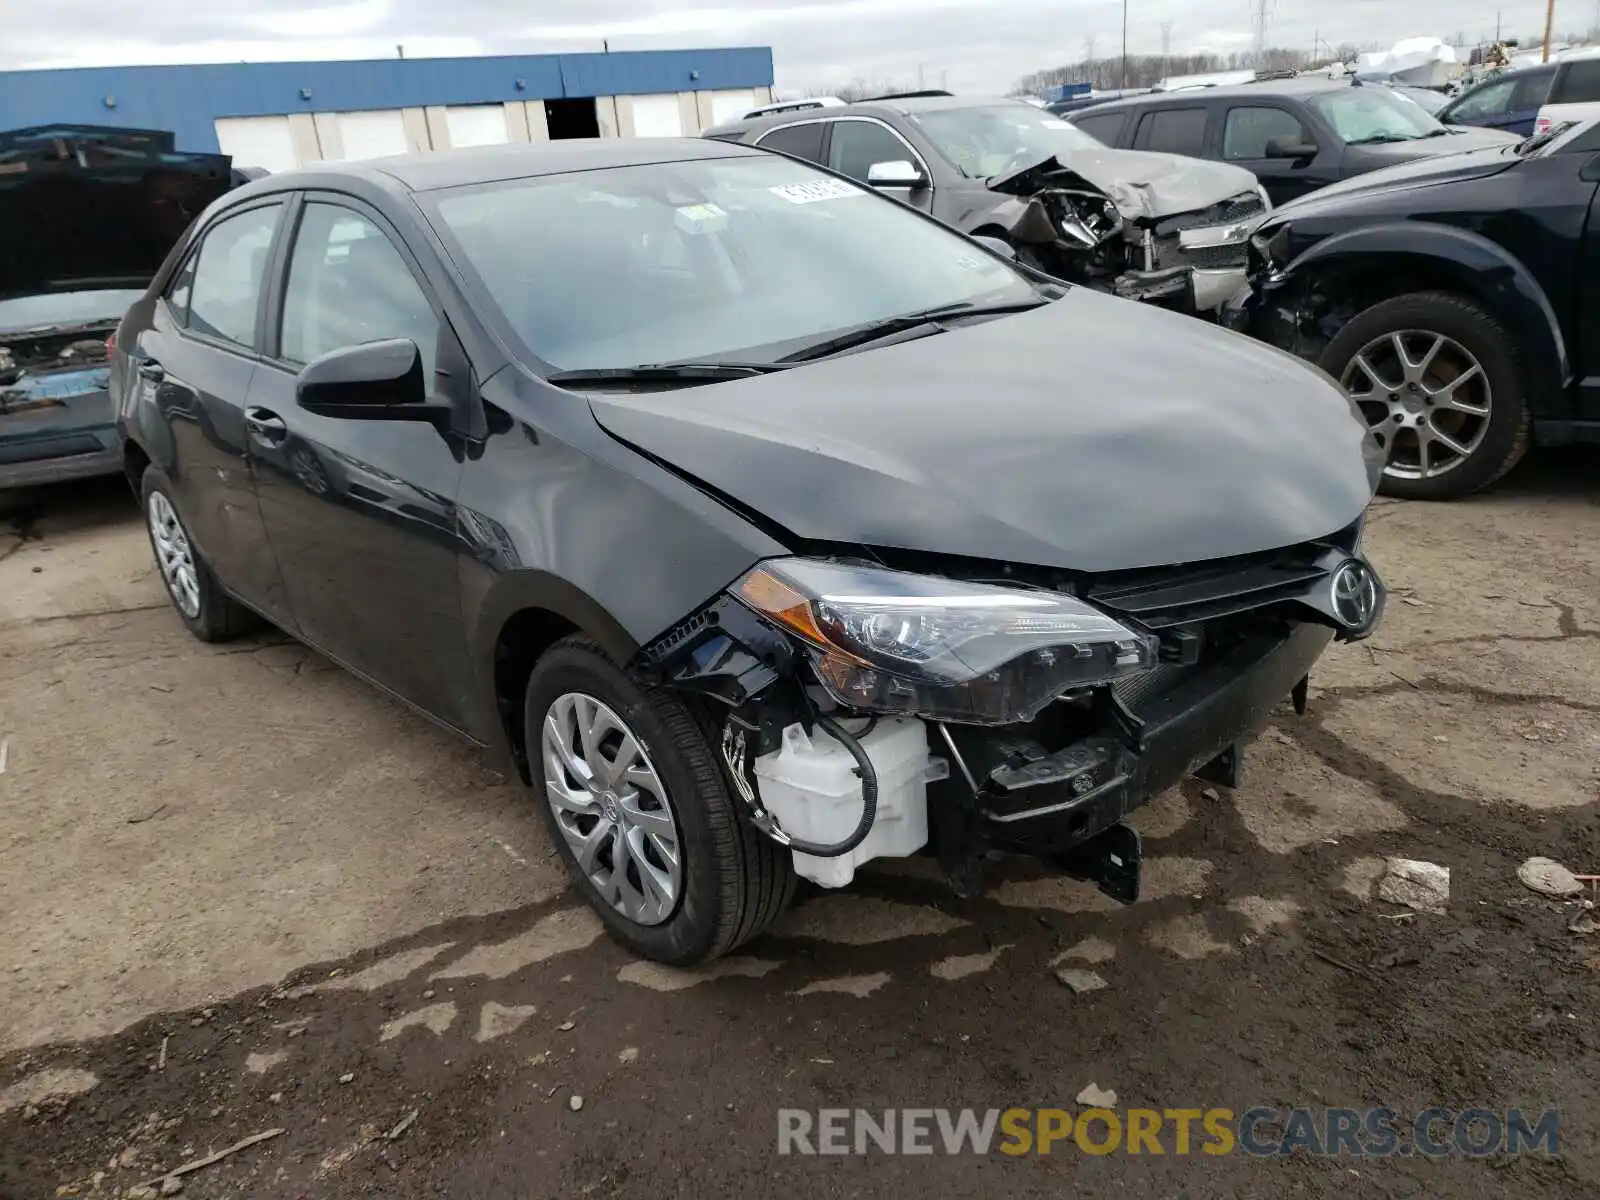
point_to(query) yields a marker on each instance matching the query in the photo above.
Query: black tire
(736, 881)
(220, 618)
(1483, 336)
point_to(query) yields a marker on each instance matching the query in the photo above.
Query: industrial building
(286, 114)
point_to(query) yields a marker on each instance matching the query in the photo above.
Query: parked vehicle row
(1145, 226)
(1294, 135)
(741, 506)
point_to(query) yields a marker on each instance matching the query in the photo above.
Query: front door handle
(152, 370)
(266, 426)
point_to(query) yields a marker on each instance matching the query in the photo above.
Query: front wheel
(1439, 381)
(638, 804)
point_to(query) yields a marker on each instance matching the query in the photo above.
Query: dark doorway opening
(571, 119)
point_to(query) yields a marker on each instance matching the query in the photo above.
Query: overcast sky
(967, 45)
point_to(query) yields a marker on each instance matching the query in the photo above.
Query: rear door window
(226, 291)
(1248, 129)
(1105, 128)
(802, 141)
(1533, 89)
(1173, 131)
(1577, 82)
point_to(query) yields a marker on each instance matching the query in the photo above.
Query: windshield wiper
(1373, 139)
(666, 374)
(873, 331)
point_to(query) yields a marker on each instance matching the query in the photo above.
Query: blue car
(1509, 101)
(87, 216)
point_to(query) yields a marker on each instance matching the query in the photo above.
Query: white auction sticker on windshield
(1053, 123)
(814, 190)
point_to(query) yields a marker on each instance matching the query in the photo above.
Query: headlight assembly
(889, 641)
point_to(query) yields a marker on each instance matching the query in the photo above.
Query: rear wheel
(638, 804)
(1439, 382)
(205, 609)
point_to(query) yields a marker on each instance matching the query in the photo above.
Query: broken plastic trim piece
(725, 652)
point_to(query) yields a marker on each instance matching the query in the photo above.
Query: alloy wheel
(612, 808)
(174, 555)
(1425, 397)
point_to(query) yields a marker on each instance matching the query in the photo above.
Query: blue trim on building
(188, 99)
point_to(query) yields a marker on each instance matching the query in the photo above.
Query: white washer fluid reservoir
(810, 785)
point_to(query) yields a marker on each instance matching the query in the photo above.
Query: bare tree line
(1146, 70)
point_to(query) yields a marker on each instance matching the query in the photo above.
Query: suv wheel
(206, 610)
(639, 808)
(1439, 382)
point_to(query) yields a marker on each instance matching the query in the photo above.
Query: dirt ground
(240, 892)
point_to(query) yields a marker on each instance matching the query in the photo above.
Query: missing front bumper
(1050, 805)
(1202, 289)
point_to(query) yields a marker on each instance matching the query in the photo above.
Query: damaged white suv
(1140, 224)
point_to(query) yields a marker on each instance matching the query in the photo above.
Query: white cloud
(970, 45)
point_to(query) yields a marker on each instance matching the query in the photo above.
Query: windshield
(1430, 101)
(723, 259)
(999, 138)
(66, 308)
(1373, 114)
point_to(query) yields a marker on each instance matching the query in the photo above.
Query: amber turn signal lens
(773, 598)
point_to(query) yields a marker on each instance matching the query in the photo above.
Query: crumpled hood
(86, 206)
(1141, 183)
(1092, 434)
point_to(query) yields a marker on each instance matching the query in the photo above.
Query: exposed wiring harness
(736, 755)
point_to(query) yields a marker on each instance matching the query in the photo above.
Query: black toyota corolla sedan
(767, 524)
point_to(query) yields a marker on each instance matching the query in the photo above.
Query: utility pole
(1263, 9)
(1497, 27)
(1124, 82)
(1166, 43)
(1088, 59)
(1549, 20)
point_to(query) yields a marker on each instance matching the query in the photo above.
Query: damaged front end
(1132, 239)
(876, 712)
(56, 420)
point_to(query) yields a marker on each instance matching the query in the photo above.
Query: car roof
(1303, 86)
(900, 105)
(492, 164)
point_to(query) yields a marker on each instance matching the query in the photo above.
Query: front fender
(1484, 268)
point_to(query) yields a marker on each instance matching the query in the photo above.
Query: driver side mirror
(1286, 145)
(373, 381)
(900, 173)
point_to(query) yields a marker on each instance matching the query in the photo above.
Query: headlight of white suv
(894, 642)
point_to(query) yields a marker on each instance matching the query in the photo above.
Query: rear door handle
(152, 370)
(265, 425)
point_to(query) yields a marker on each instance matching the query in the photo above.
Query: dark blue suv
(1509, 101)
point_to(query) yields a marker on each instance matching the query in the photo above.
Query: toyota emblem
(1355, 595)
